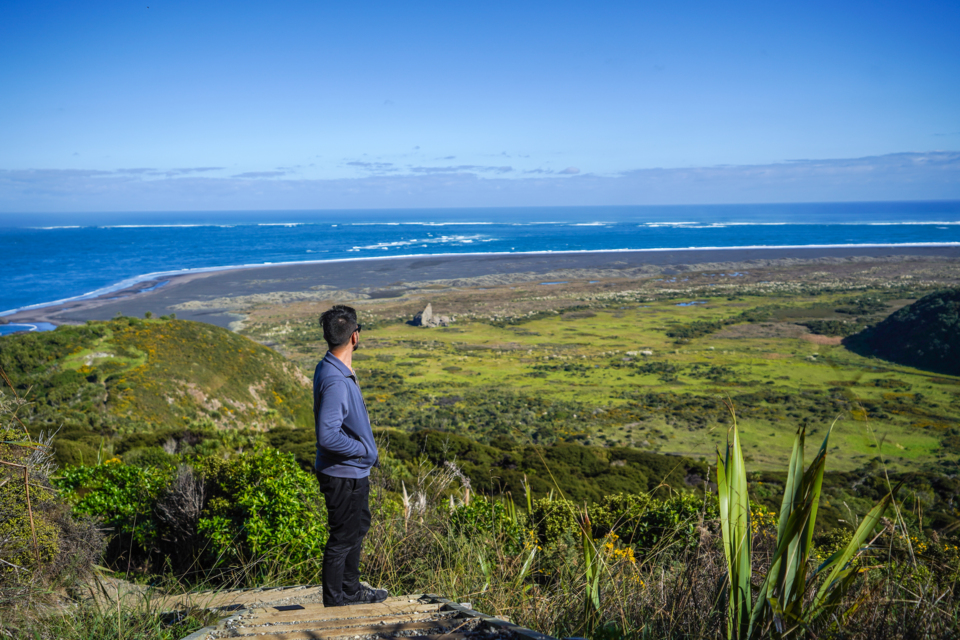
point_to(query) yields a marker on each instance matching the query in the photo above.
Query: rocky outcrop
(426, 318)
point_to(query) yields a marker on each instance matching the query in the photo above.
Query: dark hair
(338, 322)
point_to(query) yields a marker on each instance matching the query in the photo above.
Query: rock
(426, 318)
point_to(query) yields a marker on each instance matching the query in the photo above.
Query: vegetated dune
(128, 376)
(925, 334)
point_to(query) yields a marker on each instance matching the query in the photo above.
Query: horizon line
(471, 208)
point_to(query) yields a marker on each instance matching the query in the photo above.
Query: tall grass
(88, 622)
(750, 574)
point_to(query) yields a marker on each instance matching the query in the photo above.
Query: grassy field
(655, 374)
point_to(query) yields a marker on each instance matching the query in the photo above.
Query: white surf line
(31, 329)
(129, 282)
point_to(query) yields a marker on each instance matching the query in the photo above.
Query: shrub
(261, 506)
(486, 518)
(620, 513)
(256, 508)
(648, 523)
(639, 520)
(555, 519)
(17, 528)
(40, 542)
(71, 454)
(148, 457)
(122, 497)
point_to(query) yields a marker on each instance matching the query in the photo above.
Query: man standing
(345, 453)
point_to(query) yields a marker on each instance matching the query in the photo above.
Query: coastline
(340, 279)
(155, 279)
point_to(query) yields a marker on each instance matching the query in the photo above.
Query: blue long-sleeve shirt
(345, 445)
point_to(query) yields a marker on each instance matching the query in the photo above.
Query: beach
(223, 297)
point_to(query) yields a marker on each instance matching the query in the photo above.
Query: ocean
(46, 258)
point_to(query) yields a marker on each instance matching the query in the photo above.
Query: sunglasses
(359, 327)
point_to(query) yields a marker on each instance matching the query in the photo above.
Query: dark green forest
(925, 334)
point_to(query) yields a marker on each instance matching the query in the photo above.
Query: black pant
(348, 520)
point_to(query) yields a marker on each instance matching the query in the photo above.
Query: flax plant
(791, 600)
(736, 532)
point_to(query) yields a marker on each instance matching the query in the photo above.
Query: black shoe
(366, 595)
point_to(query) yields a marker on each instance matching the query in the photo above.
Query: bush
(486, 518)
(256, 508)
(639, 520)
(261, 506)
(555, 519)
(121, 497)
(41, 544)
(68, 453)
(646, 523)
(16, 532)
(149, 457)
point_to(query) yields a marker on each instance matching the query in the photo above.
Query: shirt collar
(342, 368)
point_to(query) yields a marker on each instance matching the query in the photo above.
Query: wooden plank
(383, 631)
(246, 597)
(213, 599)
(394, 601)
(342, 623)
(319, 612)
(272, 595)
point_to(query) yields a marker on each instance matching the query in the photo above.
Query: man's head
(339, 325)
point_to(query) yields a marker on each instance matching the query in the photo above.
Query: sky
(165, 105)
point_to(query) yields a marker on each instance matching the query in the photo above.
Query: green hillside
(129, 376)
(925, 335)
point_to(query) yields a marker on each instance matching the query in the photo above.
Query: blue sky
(207, 105)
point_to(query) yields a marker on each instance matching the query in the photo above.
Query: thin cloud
(198, 169)
(570, 171)
(168, 173)
(463, 168)
(372, 166)
(260, 174)
(172, 173)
